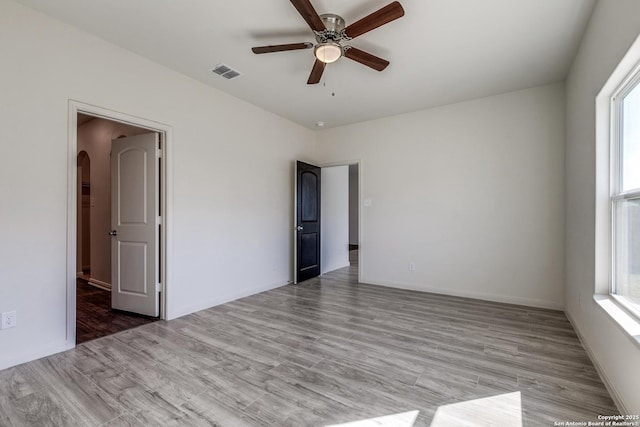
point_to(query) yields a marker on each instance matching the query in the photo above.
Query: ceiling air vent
(226, 71)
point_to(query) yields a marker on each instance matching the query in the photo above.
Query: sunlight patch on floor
(403, 419)
(503, 410)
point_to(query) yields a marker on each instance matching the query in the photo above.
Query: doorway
(354, 214)
(84, 218)
(105, 297)
(340, 217)
(335, 201)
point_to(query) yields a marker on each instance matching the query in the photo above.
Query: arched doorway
(84, 215)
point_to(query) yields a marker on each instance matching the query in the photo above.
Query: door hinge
(158, 153)
(159, 287)
(158, 220)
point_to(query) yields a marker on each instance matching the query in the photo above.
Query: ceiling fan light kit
(328, 52)
(329, 30)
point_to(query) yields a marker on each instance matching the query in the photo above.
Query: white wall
(354, 201)
(230, 161)
(471, 193)
(613, 27)
(334, 218)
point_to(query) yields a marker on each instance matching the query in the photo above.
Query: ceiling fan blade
(389, 13)
(281, 47)
(365, 58)
(309, 14)
(316, 72)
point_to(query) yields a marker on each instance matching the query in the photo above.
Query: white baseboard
(529, 302)
(335, 267)
(617, 399)
(173, 314)
(34, 355)
(100, 284)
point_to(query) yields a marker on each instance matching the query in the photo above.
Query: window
(625, 194)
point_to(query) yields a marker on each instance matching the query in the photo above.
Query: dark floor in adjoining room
(94, 317)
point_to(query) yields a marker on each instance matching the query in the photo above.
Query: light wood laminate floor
(324, 352)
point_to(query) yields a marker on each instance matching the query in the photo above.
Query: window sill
(629, 324)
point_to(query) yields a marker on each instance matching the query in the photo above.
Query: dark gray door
(307, 221)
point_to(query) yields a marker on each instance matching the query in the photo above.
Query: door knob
(299, 228)
(113, 233)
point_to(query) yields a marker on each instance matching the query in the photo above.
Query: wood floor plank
(126, 420)
(79, 396)
(15, 383)
(160, 411)
(36, 409)
(326, 351)
(123, 387)
(268, 410)
(448, 383)
(216, 412)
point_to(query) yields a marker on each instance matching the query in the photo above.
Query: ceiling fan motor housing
(334, 27)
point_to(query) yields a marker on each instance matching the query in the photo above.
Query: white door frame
(166, 135)
(359, 163)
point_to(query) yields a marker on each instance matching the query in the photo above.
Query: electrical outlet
(412, 266)
(9, 320)
(578, 299)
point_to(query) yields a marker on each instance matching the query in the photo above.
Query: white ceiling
(441, 51)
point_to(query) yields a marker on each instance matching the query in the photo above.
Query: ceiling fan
(329, 30)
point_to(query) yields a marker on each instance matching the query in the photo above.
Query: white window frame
(631, 82)
(605, 129)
